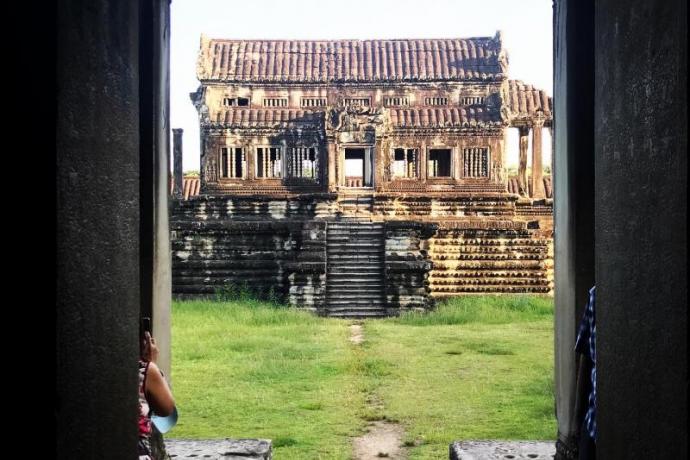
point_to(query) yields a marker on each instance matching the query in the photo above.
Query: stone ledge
(220, 449)
(503, 450)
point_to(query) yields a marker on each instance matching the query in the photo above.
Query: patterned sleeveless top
(144, 415)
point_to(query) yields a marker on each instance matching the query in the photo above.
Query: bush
(242, 292)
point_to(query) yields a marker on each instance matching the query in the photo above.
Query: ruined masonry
(362, 178)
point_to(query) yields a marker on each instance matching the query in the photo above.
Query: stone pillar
(553, 155)
(379, 160)
(522, 165)
(422, 162)
(340, 168)
(537, 177)
(251, 162)
(331, 158)
(177, 163)
(573, 205)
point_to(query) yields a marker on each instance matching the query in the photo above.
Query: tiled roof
(190, 186)
(479, 58)
(440, 117)
(525, 101)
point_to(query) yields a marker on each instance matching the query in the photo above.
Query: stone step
(373, 287)
(336, 252)
(354, 242)
(359, 233)
(369, 293)
(355, 259)
(337, 224)
(353, 302)
(371, 267)
(358, 315)
(355, 308)
(357, 303)
(369, 312)
(354, 280)
(372, 232)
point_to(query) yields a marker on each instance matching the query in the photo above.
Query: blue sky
(526, 27)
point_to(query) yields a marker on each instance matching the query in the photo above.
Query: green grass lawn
(477, 368)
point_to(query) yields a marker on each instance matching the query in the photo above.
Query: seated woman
(154, 394)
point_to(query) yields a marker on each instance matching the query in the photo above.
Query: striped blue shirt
(586, 344)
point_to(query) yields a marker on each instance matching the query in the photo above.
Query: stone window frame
(453, 152)
(281, 149)
(463, 174)
(436, 101)
(417, 163)
(226, 101)
(472, 99)
(276, 102)
(317, 164)
(245, 170)
(319, 101)
(344, 103)
(404, 100)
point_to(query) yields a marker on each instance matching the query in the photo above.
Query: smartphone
(146, 324)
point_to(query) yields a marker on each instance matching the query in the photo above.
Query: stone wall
(490, 257)
(407, 266)
(433, 247)
(281, 259)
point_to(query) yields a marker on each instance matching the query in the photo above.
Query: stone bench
(219, 449)
(502, 450)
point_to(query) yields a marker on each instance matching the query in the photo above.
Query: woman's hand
(150, 348)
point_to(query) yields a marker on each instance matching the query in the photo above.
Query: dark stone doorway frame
(635, 416)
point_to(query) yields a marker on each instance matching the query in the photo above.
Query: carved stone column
(177, 163)
(522, 165)
(340, 166)
(251, 161)
(332, 158)
(422, 162)
(553, 155)
(537, 163)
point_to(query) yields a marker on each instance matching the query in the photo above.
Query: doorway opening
(358, 167)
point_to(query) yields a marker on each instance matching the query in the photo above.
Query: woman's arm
(158, 392)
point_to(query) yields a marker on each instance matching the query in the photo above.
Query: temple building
(364, 177)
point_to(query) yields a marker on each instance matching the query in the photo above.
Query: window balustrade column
(522, 162)
(537, 163)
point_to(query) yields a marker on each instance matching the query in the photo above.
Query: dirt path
(383, 439)
(356, 333)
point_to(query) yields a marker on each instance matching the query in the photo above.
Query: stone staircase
(355, 270)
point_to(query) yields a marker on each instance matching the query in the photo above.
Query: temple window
(396, 101)
(472, 100)
(357, 101)
(436, 101)
(269, 162)
(301, 162)
(439, 163)
(236, 101)
(475, 162)
(275, 102)
(233, 163)
(313, 102)
(405, 163)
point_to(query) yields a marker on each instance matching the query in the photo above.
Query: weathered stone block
(489, 450)
(224, 449)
